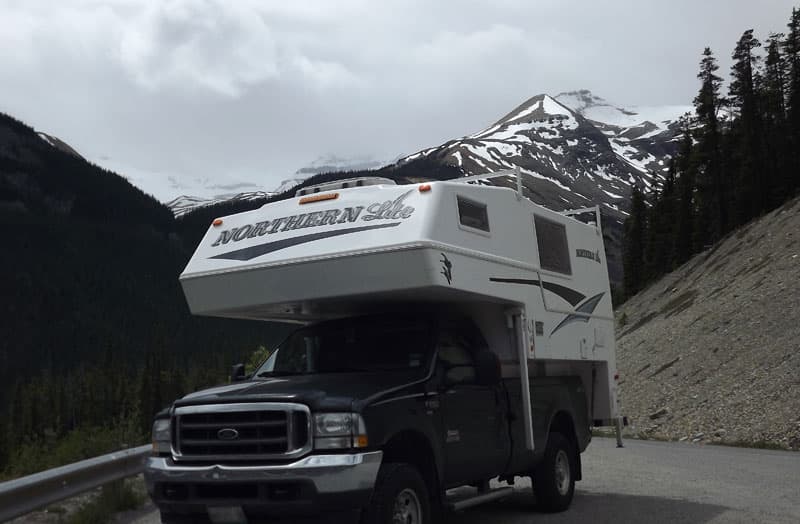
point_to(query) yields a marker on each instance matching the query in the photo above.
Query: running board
(482, 498)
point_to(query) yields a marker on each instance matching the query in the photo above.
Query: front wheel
(554, 478)
(400, 497)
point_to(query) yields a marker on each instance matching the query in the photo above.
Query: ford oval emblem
(227, 434)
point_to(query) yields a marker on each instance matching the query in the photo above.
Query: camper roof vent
(344, 184)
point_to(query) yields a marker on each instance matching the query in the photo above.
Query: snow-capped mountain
(642, 136)
(602, 111)
(184, 204)
(324, 164)
(574, 150)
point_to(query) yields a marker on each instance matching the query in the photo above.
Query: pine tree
(660, 231)
(712, 212)
(685, 201)
(773, 103)
(752, 181)
(634, 243)
(792, 51)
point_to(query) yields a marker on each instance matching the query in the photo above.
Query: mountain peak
(537, 107)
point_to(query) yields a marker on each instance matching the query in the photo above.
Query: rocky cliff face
(711, 352)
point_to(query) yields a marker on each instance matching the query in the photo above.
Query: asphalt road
(654, 482)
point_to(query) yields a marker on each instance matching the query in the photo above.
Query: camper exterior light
(424, 188)
(319, 198)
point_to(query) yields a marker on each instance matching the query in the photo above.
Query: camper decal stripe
(252, 252)
(587, 308)
(570, 295)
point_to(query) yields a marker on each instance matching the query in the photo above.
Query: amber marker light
(217, 222)
(424, 188)
(319, 198)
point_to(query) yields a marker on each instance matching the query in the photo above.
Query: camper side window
(473, 214)
(551, 238)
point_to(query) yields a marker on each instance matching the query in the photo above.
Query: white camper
(524, 273)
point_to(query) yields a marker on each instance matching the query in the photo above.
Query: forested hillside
(95, 334)
(740, 158)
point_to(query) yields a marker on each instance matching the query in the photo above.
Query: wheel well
(414, 448)
(562, 423)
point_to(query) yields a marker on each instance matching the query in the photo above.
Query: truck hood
(322, 392)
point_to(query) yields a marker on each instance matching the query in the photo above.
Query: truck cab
(376, 417)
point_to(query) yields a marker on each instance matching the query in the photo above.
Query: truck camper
(449, 333)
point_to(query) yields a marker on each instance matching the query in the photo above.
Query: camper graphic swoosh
(252, 252)
(570, 295)
(587, 308)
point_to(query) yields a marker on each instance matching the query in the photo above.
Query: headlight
(162, 436)
(339, 431)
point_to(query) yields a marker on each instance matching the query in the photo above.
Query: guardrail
(25, 494)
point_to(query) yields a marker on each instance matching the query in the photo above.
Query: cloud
(221, 46)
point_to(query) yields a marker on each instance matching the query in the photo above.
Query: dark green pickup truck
(374, 417)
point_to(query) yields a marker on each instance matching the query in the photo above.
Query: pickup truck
(373, 418)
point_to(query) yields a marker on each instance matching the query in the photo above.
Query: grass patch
(79, 444)
(114, 497)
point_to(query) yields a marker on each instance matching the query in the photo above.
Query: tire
(398, 488)
(554, 478)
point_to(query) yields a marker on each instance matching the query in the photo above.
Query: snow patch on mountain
(600, 110)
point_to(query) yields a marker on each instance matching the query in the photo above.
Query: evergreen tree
(660, 231)
(712, 212)
(752, 181)
(773, 103)
(634, 244)
(792, 51)
(685, 201)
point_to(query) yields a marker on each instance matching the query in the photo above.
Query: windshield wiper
(280, 373)
(348, 370)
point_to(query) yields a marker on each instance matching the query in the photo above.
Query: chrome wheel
(407, 509)
(562, 472)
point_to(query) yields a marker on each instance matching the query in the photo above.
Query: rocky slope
(711, 352)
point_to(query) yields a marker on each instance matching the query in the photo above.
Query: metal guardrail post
(25, 494)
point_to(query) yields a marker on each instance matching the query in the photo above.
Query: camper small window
(473, 214)
(551, 238)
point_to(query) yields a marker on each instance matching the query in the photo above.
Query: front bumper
(314, 484)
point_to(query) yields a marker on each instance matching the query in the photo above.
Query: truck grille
(253, 431)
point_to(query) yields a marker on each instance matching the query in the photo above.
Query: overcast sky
(177, 92)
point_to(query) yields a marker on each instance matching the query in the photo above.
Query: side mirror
(237, 373)
(488, 368)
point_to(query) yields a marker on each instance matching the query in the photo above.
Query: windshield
(366, 344)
